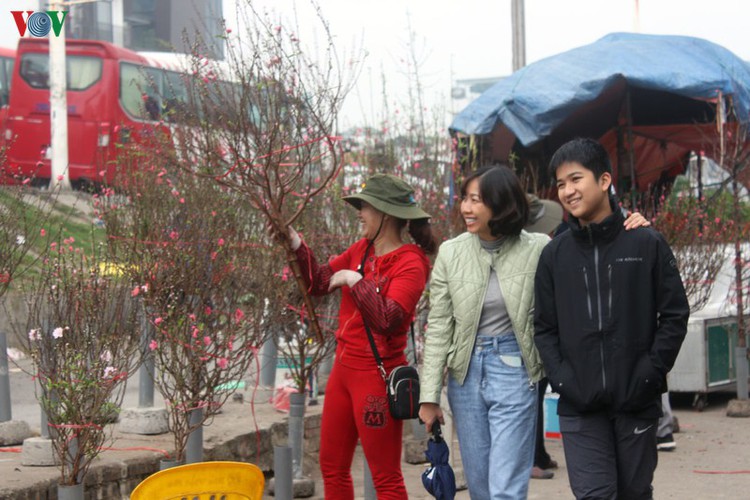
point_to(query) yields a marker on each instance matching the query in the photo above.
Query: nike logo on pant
(637, 431)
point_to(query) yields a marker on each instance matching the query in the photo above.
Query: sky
(472, 38)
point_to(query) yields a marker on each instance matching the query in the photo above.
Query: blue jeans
(495, 416)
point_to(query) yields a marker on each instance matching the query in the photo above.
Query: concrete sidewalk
(712, 459)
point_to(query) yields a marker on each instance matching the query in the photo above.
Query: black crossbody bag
(402, 384)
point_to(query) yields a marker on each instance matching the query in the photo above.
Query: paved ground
(712, 459)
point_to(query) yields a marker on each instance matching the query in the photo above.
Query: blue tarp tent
(663, 88)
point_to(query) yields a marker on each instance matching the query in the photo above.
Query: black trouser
(610, 456)
(541, 457)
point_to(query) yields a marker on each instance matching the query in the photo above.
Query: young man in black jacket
(610, 316)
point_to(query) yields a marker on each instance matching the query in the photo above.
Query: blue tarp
(541, 96)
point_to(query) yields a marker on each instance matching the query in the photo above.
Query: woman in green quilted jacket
(481, 327)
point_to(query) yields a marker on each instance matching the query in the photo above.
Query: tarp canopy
(656, 92)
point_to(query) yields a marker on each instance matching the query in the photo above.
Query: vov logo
(39, 24)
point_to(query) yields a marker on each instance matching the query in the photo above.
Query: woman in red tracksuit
(381, 279)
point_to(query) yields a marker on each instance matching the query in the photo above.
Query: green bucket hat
(390, 195)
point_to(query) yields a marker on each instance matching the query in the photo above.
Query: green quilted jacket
(457, 288)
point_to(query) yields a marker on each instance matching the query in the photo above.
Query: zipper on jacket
(598, 286)
(601, 357)
(609, 273)
(599, 307)
(588, 293)
(475, 327)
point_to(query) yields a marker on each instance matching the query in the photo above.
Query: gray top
(495, 319)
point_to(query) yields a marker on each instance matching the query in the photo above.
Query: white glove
(294, 238)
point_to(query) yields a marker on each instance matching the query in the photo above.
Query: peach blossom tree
(194, 255)
(82, 335)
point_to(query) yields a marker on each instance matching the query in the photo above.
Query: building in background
(466, 90)
(149, 25)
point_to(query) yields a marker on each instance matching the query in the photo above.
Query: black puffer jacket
(610, 317)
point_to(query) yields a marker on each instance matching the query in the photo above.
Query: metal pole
(282, 473)
(519, 34)
(58, 107)
(324, 372)
(268, 360)
(370, 493)
(5, 409)
(194, 450)
(740, 363)
(118, 23)
(296, 430)
(146, 371)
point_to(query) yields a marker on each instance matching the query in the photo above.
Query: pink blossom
(229, 30)
(222, 362)
(158, 321)
(174, 235)
(238, 315)
(42, 232)
(208, 310)
(59, 177)
(153, 345)
(106, 356)
(207, 341)
(57, 333)
(34, 334)
(26, 181)
(109, 371)
(135, 291)
(221, 242)
(191, 316)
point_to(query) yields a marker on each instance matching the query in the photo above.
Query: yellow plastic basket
(203, 481)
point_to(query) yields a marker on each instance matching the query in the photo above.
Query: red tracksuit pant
(355, 406)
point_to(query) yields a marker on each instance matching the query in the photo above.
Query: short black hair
(584, 151)
(501, 191)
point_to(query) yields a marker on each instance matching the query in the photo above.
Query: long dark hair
(420, 231)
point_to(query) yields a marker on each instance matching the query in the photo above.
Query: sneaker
(666, 443)
(539, 473)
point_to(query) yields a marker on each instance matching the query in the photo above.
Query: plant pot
(168, 463)
(70, 491)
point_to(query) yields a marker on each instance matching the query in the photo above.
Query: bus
(114, 96)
